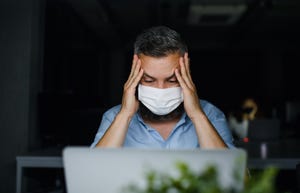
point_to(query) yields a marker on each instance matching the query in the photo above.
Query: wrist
(198, 115)
(124, 114)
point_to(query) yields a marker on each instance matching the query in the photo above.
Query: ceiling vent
(213, 13)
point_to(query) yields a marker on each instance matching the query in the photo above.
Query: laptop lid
(105, 170)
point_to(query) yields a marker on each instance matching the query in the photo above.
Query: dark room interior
(64, 63)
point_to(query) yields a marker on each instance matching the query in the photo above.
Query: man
(160, 107)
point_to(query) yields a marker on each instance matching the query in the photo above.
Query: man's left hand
(190, 97)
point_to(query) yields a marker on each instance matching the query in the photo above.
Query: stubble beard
(148, 115)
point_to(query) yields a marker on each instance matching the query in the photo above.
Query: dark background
(63, 62)
(88, 48)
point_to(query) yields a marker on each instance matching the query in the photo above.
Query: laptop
(264, 129)
(112, 170)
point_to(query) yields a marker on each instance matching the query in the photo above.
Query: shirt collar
(140, 119)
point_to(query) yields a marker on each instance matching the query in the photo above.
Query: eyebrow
(170, 77)
(148, 76)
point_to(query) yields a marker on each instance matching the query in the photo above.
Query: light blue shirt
(183, 135)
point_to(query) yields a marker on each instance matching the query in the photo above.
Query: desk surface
(40, 161)
(252, 163)
(280, 163)
(52, 158)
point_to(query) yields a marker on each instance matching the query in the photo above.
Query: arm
(116, 133)
(207, 135)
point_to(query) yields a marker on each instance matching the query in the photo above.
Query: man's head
(159, 49)
(249, 107)
(159, 41)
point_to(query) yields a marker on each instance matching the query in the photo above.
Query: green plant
(206, 182)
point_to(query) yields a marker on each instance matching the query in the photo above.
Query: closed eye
(147, 78)
(148, 81)
(173, 81)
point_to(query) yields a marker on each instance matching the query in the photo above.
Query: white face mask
(160, 101)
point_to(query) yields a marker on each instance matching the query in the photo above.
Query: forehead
(160, 66)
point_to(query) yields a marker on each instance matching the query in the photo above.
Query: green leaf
(206, 182)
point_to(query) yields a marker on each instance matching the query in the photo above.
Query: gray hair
(159, 41)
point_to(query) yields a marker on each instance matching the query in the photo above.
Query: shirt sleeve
(106, 121)
(219, 121)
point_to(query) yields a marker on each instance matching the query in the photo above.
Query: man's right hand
(129, 101)
(116, 133)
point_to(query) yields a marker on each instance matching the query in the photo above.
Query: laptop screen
(112, 170)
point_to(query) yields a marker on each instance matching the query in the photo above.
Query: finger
(180, 80)
(137, 68)
(133, 68)
(137, 79)
(187, 64)
(183, 84)
(135, 73)
(184, 73)
(134, 62)
(188, 69)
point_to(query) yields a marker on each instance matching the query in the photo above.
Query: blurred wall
(20, 49)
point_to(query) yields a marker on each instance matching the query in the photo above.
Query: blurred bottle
(263, 150)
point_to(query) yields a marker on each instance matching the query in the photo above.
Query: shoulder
(206, 105)
(210, 109)
(112, 111)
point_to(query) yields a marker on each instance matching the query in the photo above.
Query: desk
(35, 162)
(56, 162)
(280, 163)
